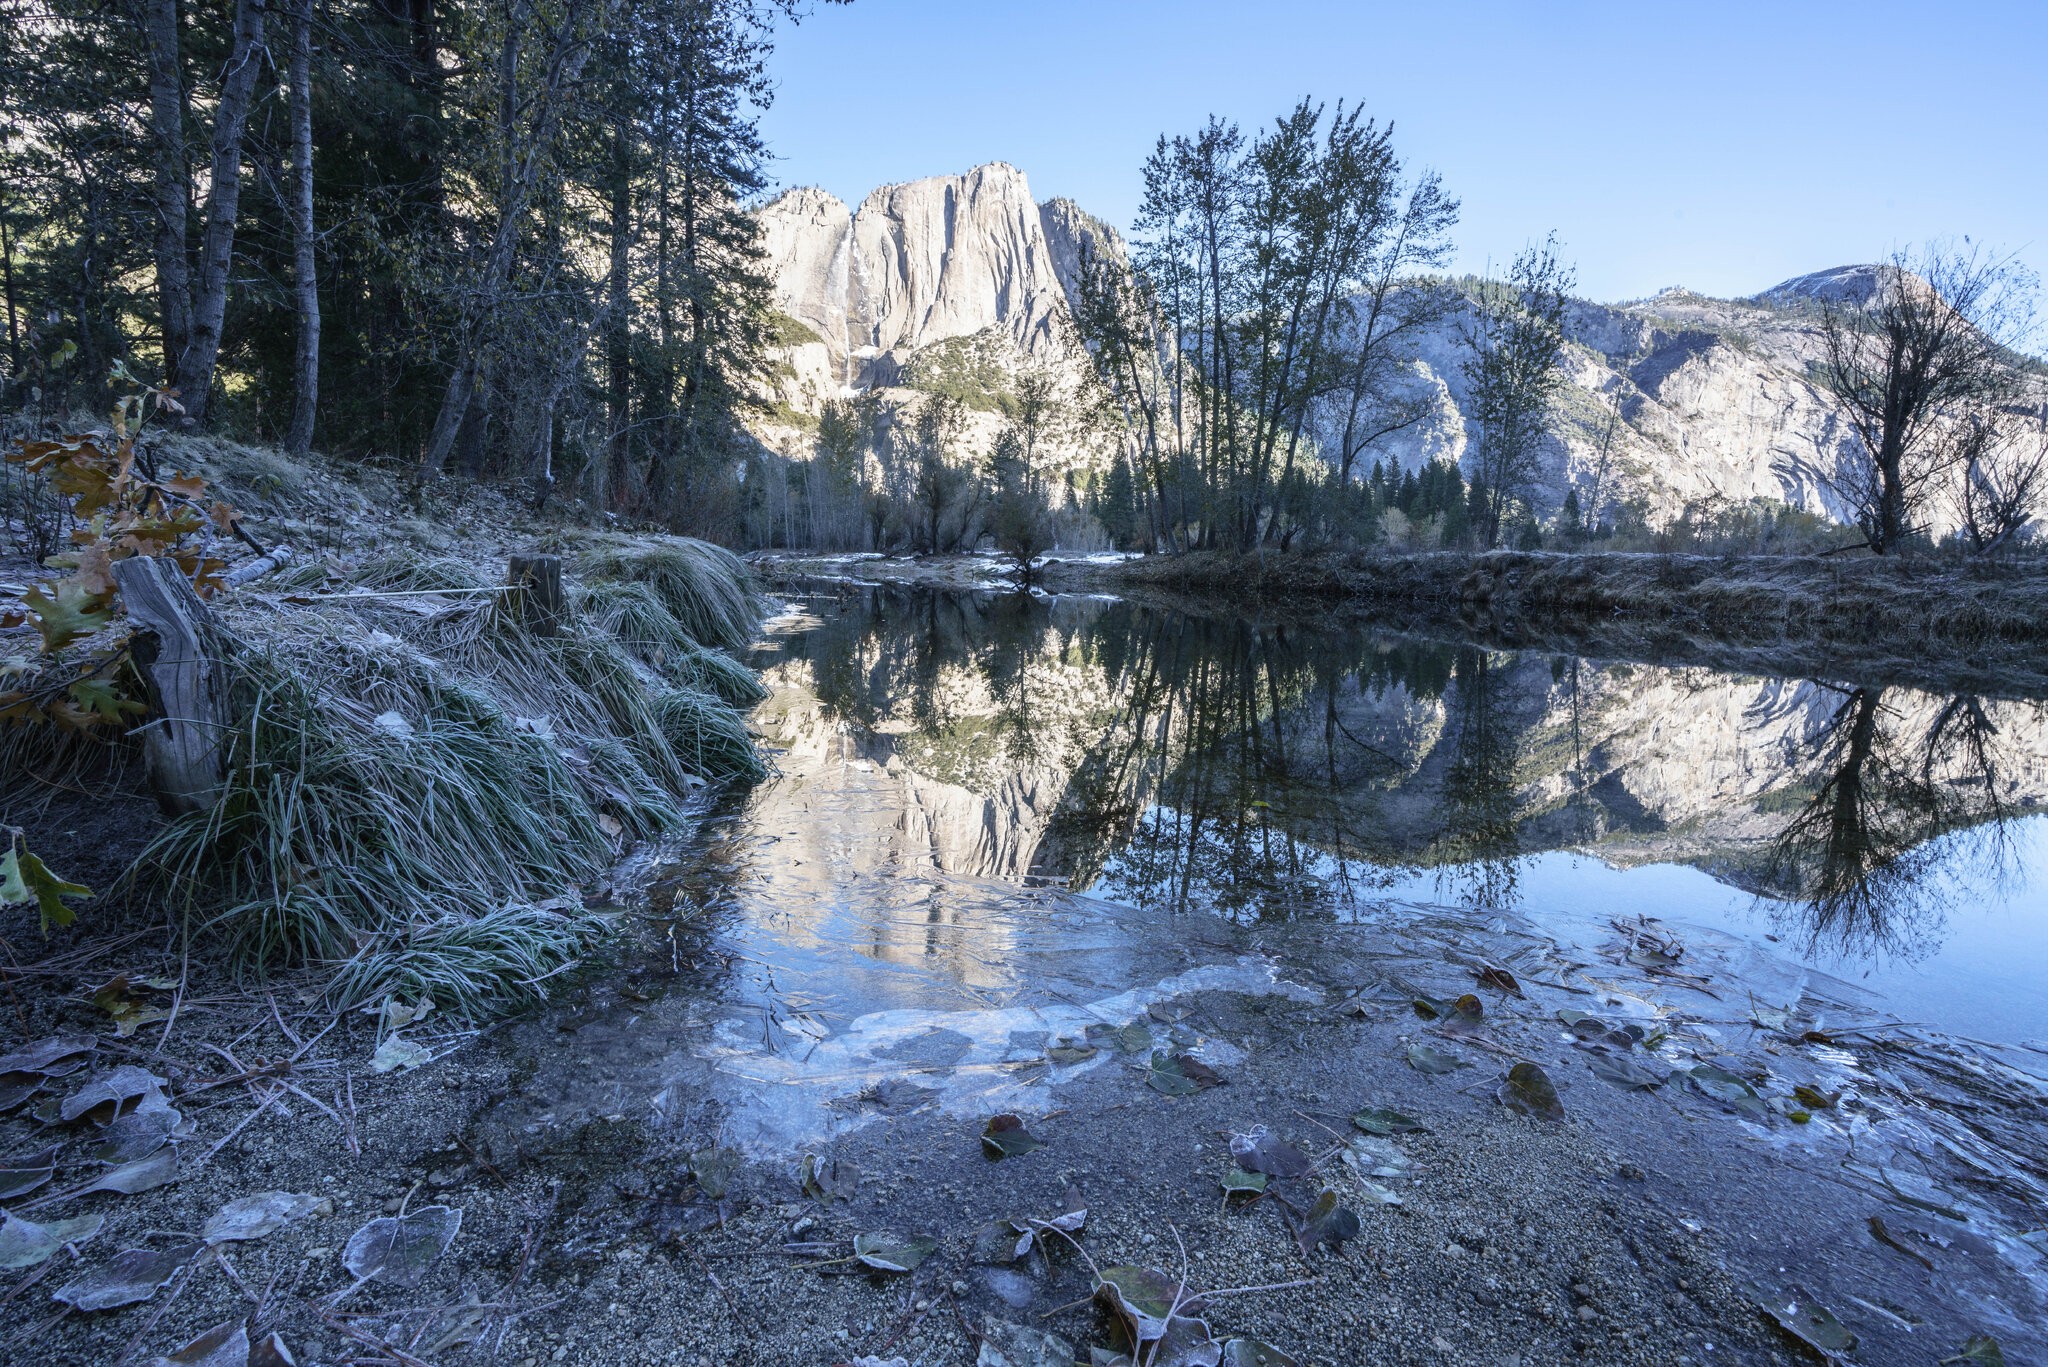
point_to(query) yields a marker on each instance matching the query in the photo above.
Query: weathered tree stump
(537, 600)
(176, 651)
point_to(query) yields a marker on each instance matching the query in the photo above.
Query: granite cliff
(964, 282)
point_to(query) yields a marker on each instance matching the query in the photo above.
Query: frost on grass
(419, 787)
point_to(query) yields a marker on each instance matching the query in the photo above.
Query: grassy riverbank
(1756, 598)
(423, 790)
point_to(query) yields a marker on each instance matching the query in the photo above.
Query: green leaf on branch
(24, 878)
(74, 611)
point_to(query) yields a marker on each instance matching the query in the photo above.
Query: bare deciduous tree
(1920, 368)
(2003, 480)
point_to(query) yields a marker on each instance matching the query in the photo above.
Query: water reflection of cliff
(1167, 761)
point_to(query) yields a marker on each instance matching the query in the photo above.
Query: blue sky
(1723, 146)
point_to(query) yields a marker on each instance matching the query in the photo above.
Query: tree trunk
(523, 161)
(618, 359)
(223, 205)
(13, 325)
(305, 278)
(538, 600)
(175, 650)
(172, 185)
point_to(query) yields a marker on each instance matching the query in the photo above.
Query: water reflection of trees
(1263, 771)
(1898, 822)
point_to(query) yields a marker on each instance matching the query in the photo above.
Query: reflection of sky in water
(1989, 978)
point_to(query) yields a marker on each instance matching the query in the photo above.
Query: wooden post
(538, 601)
(174, 651)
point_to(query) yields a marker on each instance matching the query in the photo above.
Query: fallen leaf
(134, 1275)
(1424, 1059)
(253, 1217)
(140, 1132)
(224, 1345)
(1981, 1350)
(1066, 1052)
(714, 1170)
(269, 1351)
(396, 1015)
(1528, 1091)
(1134, 1038)
(885, 1252)
(1006, 1137)
(1624, 1073)
(1727, 1089)
(1015, 1238)
(1430, 1008)
(1146, 1299)
(19, 1176)
(1379, 1120)
(146, 1174)
(1810, 1323)
(1325, 1223)
(1180, 1075)
(105, 1096)
(1498, 978)
(1373, 1156)
(398, 1054)
(1238, 1182)
(1583, 1024)
(1265, 1152)
(1252, 1353)
(399, 1249)
(57, 1056)
(24, 1244)
(1004, 1344)
(130, 1009)
(824, 1179)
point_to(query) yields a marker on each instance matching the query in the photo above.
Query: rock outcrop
(1717, 400)
(930, 261)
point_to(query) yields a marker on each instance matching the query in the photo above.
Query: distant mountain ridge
(1718, 400)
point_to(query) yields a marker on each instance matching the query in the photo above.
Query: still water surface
(1892, 837)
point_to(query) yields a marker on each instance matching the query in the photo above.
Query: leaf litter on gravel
(1325, 1222)
(886, 1252)
(1180, 1075)
(146, 1174)
(1625, 1073)
(1013, 1239)
(398, 1249)
(1381, 1121)
(1424, 1059)
(1005, 1137)
(1728, 1089)
(1810, 1322)
(24, 1173)
(1261, 1151)
(229, 1345)
(1529, 1091)
(255, 1217)
(24, 1243)
(105, 1095)
(135, 1274)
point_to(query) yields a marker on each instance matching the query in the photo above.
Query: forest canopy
(508, 239)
